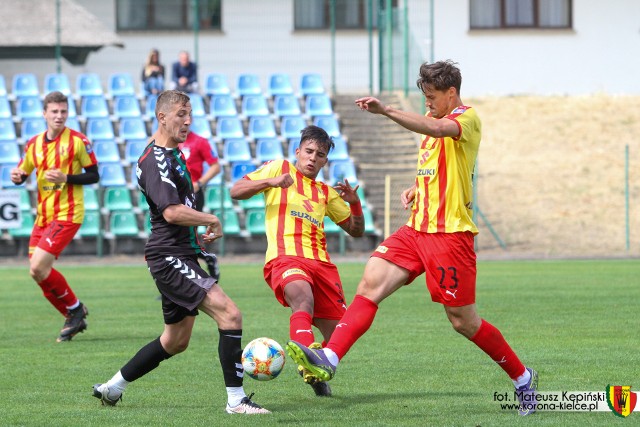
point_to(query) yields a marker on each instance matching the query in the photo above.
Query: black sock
(230, 352)
(146, 360)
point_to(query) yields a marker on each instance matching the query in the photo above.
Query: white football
(263, 359)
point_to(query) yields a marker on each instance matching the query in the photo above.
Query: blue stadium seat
(9, 153)
(154, 125)
(106, 150)
(248, 84)
(32, 127)
(88, 84)
(57, 82)
(280, 84)
(7, 130)
(123, 223)
(71, 107)
(340, 150)
(150, 107)
(223, 106)
(25, 84)
(269, 149)
(255, 221)
(117, 199)
(318, 105)
(111, 174)
(311, 84)
(5, 108)
(133, 177)
(201, 126)
(294, 143)
(90, 198)
(197, 105)
(228, 127)
(73, 123)
(216, 84)
(236, 150)
(329, 123)
(3, 86)
(261, 127)
(216, 180)
(28, 107)
(339, 170)
(240, 169)
(121, 84)
(132, 128)
(99, 128)
(133, 148)
(290, 126)
(5, 177)
(217, 197)
(126, 106)
(94, 106)
(254, 105)
(320, 176)
(214, 148)
(286, 105)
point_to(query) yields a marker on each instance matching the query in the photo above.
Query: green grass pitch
(576, 322)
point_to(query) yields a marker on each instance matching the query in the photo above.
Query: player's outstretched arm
(247, 188)
(355, 226)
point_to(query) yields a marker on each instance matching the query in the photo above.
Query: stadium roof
(29, 31)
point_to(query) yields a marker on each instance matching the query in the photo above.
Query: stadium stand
(198, 108)
(121, 84)
(340, 150)
(294, 143)
(201, 126)
(73, 123)
(106, 150)
(311, 84)
(111, 175)
(31, 127)
(28, 107)
(240, 169)
(5, 108)
(9, 153)
(286, 105)
(126, 106)
(117, 199)
(230, 222)
(279, 84)
(236, 150)
(88, 84)
(339, 170)
(150, 107)
(254, 106)
(217, 198)
(290, 126)
(329, 123)
(268, 149)
(3, 86)
(261, 127)
(132, 128)
(255, 221)
(222, 106)
(228, 127)
(133, 149)
(99, 128)
(7, 130)
(318, 105)
(94, 106)
(90, 198)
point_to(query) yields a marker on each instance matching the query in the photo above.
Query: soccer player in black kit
(172, 257)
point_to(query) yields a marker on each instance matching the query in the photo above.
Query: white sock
(522, 379)
(76, 305)
(235, 395)
(117, 383)
(332, 356)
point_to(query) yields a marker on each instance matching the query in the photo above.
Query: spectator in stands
(197, 151)
(171, 258)
(185, 74)
(59, 155)
(153, 74)
(438, 238)
(298, 268)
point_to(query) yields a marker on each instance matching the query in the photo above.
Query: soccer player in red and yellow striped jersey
(297, 265)
(59, 156)
(438, 238)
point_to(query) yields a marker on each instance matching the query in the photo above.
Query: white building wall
(600, 54)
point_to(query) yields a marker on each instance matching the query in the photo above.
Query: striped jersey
(294, 216)
(444, 195)
(70, 152)
(164, 179)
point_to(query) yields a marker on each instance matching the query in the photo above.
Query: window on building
(142, 15)
(349, 14)
(491, 14)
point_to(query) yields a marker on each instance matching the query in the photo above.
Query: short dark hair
(55, 97)
(168, 98)
(442, 75)
(317, 134)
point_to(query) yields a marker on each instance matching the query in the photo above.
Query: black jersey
(164, 179)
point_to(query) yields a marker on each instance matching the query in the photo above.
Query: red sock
(491, 341)
(354, 323)
(57, 291)
(300, 328)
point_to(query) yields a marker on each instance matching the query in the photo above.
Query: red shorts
(323, 277)
(54, 237)
(448, 259)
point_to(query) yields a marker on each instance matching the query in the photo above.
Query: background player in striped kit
(59, 155)
(297, 265)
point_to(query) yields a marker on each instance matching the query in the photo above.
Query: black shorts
(182, 284)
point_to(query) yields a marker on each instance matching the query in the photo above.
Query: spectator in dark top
(185, 74)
